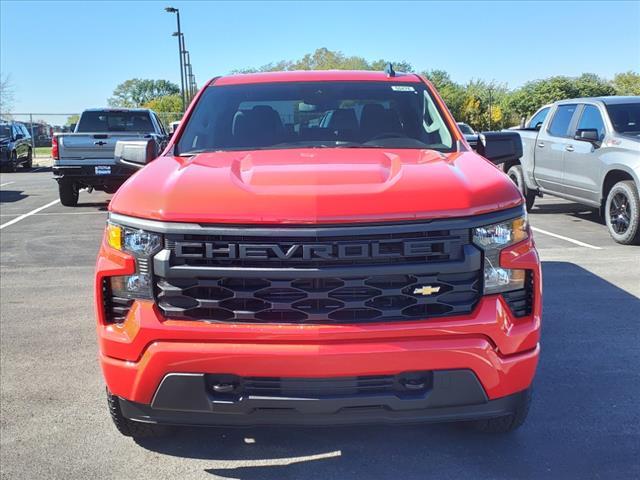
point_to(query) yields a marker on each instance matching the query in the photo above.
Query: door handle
(540, 144)
(569, 148)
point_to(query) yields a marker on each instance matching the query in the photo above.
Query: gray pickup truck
(85, 158)
(586, 150)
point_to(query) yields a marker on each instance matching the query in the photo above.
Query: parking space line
(566, 239)
(5, 184)
(32, 212)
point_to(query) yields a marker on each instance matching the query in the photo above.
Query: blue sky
(65, 56)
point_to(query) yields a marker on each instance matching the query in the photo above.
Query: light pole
(180, 51)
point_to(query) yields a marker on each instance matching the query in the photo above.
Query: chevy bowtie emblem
(426, 290)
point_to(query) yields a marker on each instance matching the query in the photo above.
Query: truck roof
(315, 76)
(612, 100)
(116, 109)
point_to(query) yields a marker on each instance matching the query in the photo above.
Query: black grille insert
(352, 299)
(115, 308)
(521, 301)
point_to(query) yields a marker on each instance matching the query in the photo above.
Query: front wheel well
(613, 177)
(507, 165)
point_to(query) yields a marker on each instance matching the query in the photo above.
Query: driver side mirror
(136, 153)
(587, 135)
(19, 136)
(499, 147)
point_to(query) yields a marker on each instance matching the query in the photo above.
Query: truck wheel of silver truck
(69, 193)
(517, 177)
(622, 213)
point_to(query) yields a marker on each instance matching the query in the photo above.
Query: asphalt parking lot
(584, 421)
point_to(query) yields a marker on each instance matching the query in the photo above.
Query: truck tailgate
(91, 147)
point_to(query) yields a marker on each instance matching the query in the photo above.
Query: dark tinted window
(538, 119)
(310, 114)
(5, 130)
(591, 119)
(625, 117)
(466, 129)
(560, 124)
(115, 122)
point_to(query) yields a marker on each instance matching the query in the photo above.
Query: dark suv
(15, 146)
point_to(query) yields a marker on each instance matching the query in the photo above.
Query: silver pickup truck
(586, 150)
(85, 158)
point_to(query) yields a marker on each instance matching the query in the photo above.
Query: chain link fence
(42, 126)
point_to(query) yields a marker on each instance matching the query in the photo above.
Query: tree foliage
(168, 106)
(325, 59)
(6, 94)
(72, 120)
(627, 83)
(136, 92)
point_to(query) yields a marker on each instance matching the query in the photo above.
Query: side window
(25, 130)
(592, 119)
(160, 124)
(538, 119)
(561, 120)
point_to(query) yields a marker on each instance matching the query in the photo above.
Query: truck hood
(309, 186)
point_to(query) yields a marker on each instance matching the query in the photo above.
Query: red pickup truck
(318, 248)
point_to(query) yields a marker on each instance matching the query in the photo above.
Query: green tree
(169, 107)
(325, 59)
(451, 92)
(591, 85)
(72, 120)
(136, 92)
(627, 83)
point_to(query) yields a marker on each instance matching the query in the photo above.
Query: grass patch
(42, 152)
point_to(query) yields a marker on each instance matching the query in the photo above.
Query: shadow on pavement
(584, 421)
(576, 210)
(100, 206)
(11, 196)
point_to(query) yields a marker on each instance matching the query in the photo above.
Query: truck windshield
(114, 121)
(625, 117)
(315, 115)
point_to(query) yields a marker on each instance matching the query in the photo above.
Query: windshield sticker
(402, 88)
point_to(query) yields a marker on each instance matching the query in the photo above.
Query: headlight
(494, 238)
(142, 245)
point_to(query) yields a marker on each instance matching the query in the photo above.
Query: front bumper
(452, 395)
(498, 350)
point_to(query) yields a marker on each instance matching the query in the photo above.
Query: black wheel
(68, 193)
(129, 428)
(508, 423)
(29, 163)
(622, 213)
(517, 177)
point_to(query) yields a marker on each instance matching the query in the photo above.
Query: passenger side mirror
(499, 147)
(587, 135)
(136, 153)
(19, 136)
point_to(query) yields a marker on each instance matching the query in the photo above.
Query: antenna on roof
(388, 69)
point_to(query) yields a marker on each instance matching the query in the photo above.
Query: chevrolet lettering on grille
(305, 251)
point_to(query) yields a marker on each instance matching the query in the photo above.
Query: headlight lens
(494, 238)
(142, 245)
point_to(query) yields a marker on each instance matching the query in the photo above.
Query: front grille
(115, 308)
(330, 300)
(521, 301)
(319, 275)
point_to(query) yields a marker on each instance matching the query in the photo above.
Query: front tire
(13, 163)
(517, 176)
(69, 193)
(129, 428)
(507, 423)
(29, 163)
(622, 213)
